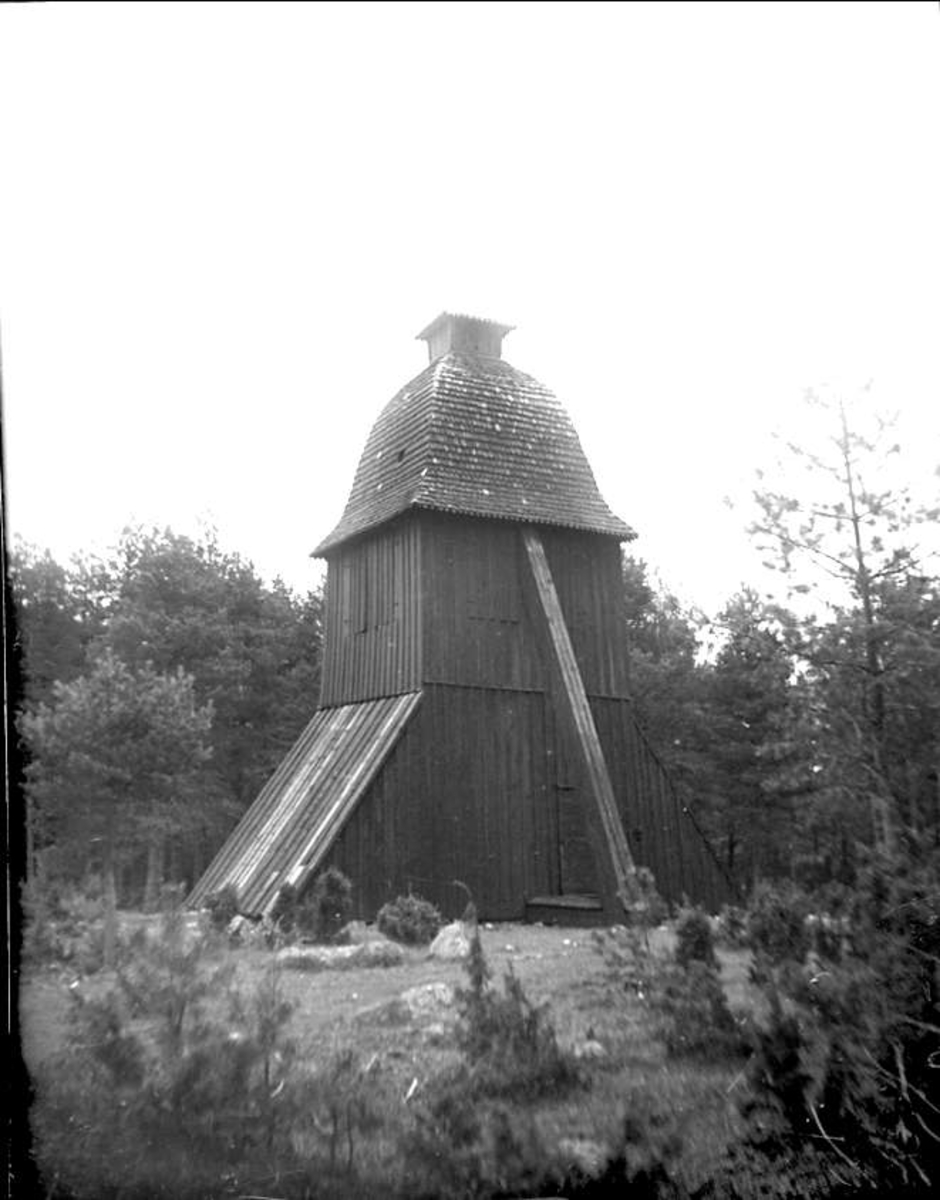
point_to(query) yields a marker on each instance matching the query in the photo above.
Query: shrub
(222, 907)
(332, 903)
(691, 1013)
(694, 941)
(342, 1103)
(284, 909)
(648, 908)
(159, 1092)
(644, 1165)
(776, 923)
(779, 1149)
(410, 920)
(38, 946)
(64, 926)
(458, 1151)
(840, 1089)
(318, 912)
(732, 926)
(684, 997)
(630, 965)
(164, 973)
(509, 1044)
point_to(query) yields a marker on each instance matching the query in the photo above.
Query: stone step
(578, 911)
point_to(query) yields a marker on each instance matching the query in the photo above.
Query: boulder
(241, 930)
(589, 1049)
(428, 1000)
(319, 958)
(389, 1012)
(355, 933)
(452, 943)
(340, 958)
(382, 953)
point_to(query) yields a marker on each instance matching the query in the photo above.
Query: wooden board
(612, 853)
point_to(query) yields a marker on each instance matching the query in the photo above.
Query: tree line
(163, 683)
(806, 731)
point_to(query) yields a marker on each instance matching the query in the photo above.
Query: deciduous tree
(116, 756)
(252, 650)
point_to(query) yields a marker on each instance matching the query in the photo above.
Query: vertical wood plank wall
(669, 842)
(466, 795)
(372, 645)
(474, 620)
(587, 574)
(439, 599)
(481, 777)
(483, 807)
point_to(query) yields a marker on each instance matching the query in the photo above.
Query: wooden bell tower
(475, 728)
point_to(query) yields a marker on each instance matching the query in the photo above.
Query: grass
(350, 1008)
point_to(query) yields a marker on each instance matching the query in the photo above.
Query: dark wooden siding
(372, 644)
(574, 869)
(483, 786)
(466, 795)
(475, 617)
(442, 599)
(661, 831)
(587, 574)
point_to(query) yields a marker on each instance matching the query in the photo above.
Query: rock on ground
(590, 1048)
(339, 958)
(451, 944)
(242, 931)
(356, 932)
(428, 1001)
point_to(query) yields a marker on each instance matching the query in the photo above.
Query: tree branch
(841, 1153)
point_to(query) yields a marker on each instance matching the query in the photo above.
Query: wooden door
(575, 853)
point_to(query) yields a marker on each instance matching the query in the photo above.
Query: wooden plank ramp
(615, 864)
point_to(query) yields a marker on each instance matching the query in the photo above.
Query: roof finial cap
(456, 333)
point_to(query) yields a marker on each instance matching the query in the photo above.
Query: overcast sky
(222, 226)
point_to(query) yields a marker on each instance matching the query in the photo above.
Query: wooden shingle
(473, 435)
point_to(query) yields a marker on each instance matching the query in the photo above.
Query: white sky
(222, 225)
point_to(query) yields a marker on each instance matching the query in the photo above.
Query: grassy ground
(560, 967)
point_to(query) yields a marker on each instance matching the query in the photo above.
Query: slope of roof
(473, 435)
(284, 835)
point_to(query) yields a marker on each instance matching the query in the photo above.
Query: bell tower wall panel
(587, 574)
(465, 798)
(372, 644)
(476, 623)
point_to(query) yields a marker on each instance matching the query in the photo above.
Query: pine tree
(864, 541)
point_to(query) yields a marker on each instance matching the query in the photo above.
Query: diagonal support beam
(615, 862)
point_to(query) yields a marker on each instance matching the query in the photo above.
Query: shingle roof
(473, 435)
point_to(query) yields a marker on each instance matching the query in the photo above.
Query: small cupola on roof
(474, 436)
(455, 333)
